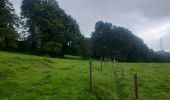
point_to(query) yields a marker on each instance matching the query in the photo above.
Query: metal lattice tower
(161, 45)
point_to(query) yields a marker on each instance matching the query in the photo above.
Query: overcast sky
(148, 19)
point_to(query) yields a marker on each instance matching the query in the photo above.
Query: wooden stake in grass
(90, 80)
(117, 65)
(113, 65)
(101, 64)
(122, 71)
(104, 61)
(112, 62)
(136, 86)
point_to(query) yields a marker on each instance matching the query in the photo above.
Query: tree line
(46, 29)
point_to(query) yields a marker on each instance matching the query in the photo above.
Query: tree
(28, 13)
(85, 49)
(8, 24)
(118, 43)
(48, 24)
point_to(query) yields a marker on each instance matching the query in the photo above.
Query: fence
(120, 68)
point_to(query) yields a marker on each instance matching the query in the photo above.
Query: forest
(44, 28)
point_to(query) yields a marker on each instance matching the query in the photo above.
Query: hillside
(27, 77)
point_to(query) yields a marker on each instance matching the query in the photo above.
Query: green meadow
(28, 77)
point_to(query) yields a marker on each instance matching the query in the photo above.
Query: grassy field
(27, 77)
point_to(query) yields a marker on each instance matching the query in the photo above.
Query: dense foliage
(50, 28)
(8, 22)
(161, 56)
(118, 43)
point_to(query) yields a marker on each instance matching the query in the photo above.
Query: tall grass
(27, 77)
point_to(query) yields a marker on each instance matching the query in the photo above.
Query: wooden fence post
(117, 65)
(101, 64)
(122, 71)
(112, 62)
(104, 61)
(113, 65)
(136, 86)
(90, 76)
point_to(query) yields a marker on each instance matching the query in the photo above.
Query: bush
(52, 47)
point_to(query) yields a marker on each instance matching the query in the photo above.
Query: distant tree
(85, 48)
(8, 23)
(118, 43)
(160, 56)
(28, 12)
(48, 24)
(100, 38)
(73, 37)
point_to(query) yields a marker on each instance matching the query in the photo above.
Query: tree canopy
(50, 28)
(8, 22)
(118, 43)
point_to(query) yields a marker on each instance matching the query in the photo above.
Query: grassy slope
(27, 77)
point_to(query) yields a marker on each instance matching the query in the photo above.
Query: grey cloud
(114, 11)
(150, 8)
